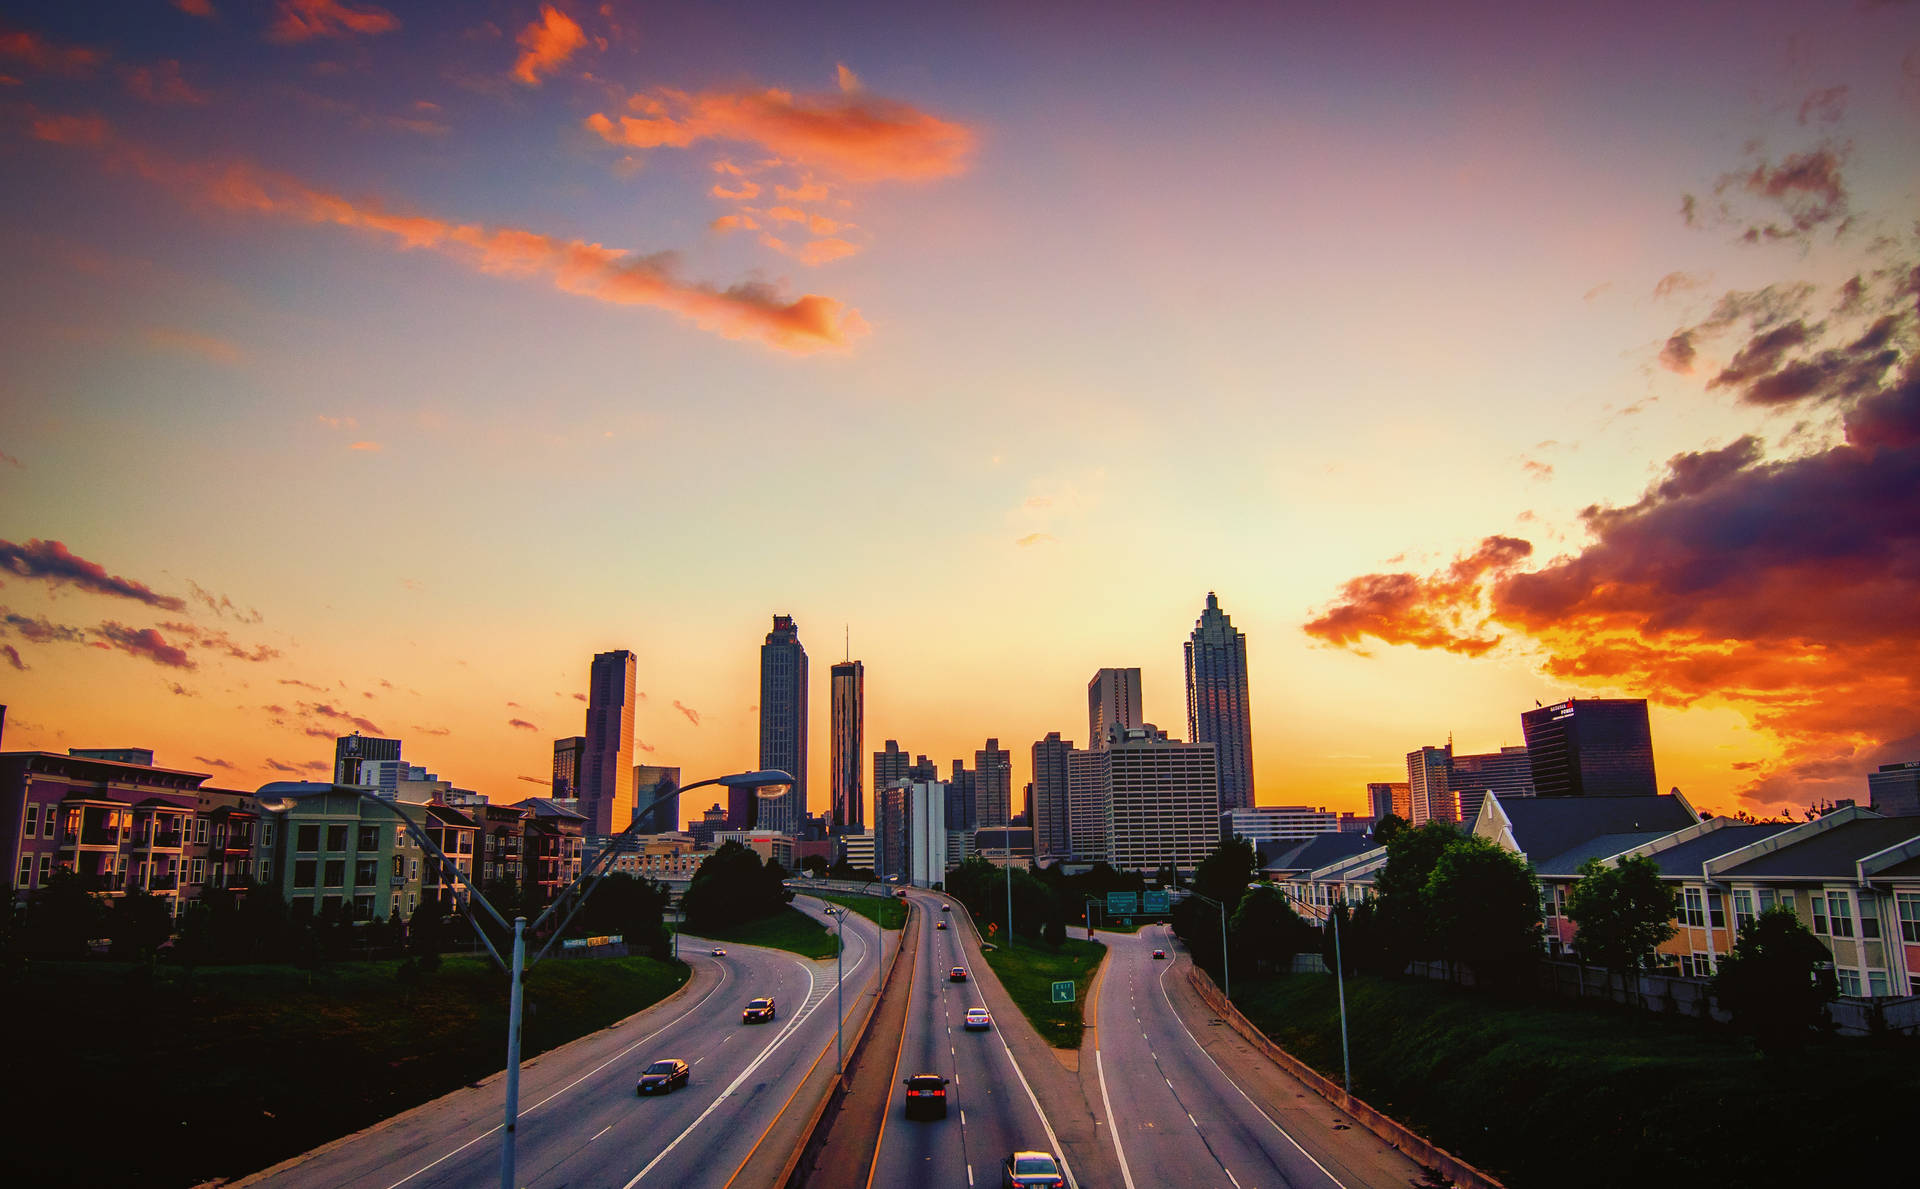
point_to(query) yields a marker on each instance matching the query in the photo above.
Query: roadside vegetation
(787, 929)
(1028, 972)
(886, 911)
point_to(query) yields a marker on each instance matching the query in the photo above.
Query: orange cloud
(734, 223)
(807, 191)
(366, 447)
(548, 43)
(43, 55)
(821, 225)
(744, 192)
(161, 83)
(748, 310)
(849, 81)
(301, 20)
(198, 8)
(820, 251)
(852, 135)
(186, 342)
(787, 214)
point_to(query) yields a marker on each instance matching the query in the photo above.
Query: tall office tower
(849, 706)
(783, 723)
(890, 829)
(963, 810)
(888, 766)
(1384, 797)
(1087, 804)
(1025, 816)
(923, 771)
(1162, 800)
(350, 750)
(1113, 697)
(1593, 747)
(1507, 772)
(650, 782)
(568, 756)
(1217, 708)
(1894, 791)
(993, 785)
(605, 789)
(926, 834)
(1048, 817)
(1427, 787)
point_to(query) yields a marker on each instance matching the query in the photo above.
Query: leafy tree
(426, 935)
(1054, 933)
(263, 929)
(1363, 943)
(1401, 890)
(1264, 930)
(1387, 827)
(733, 886)
(630, 906)
(814, 865)
(1778, 980)
(396, 931)
(1485, 906)
(63, 918)
(1225, 873)
(1624, 912)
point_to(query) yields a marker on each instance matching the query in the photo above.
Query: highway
(581, 1125)
(990, 1109)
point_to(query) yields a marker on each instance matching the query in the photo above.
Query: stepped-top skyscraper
(1217, 709)
(783, 722)
(1113, 699)
(849, 706)
(605, 786)
(993, 785)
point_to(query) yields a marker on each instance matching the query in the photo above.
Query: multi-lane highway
(582, 1126)
(991, 1108)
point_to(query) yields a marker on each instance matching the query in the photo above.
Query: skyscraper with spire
(849, 708)
(783, 722)
(1217, 708)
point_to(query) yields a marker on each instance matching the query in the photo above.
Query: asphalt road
(990, 1109)
(581, 1126)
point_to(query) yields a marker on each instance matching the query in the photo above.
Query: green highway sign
(1155, 901)
(1123, 902)
(1063, 992)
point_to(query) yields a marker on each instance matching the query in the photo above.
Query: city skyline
(1477, 359)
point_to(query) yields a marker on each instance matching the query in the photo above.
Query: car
(718, 952)
(939, 924)
(662, 1076)
(1159, 953)
(957, 975)
(979, 1019)
(946, 908)
(1032, 1168)
(758, 1011)
(926, 1096)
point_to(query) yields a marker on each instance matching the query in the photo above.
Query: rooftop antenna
(848, 628)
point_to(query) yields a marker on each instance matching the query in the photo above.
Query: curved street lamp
(516, 971)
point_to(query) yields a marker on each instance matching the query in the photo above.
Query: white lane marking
(1053, 1140)
(963, 1118)
(1113, 1129)
(601, 1132)
(969, 1174)
(1230, 1176)
(746, 1073)
(1194, 1121)
(570, 1085)
(1236, 1085)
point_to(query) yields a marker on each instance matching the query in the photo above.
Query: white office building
(1278, 823)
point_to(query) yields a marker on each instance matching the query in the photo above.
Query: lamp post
(1226, 976)
(839, 916)
(517, 968)
(1339, 982)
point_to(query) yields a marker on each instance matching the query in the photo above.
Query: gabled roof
(543, 807)
(1600, 846)
(1828, 854)
(1552, 826)
(1905, 869)
(1684, 858)
(449, 815)
(1318, 851)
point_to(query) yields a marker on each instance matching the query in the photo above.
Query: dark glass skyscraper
(349, 751)
(650, 783)
(993, 785)
(783, 723)
(1113, 698)
(849, 706)
(1593, 747)
(1049, 807)
(606, 770)
(1217, 709)
(568, 755)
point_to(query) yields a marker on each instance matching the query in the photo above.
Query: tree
(1387, 827)
(63, 918)
(1624, 912)
(1363, 943)
(1778, 980)
(630, 906)
(1401, 890)
(426, 934)
(1485, 906)
(814, 865)
(1266, 932)
(731, 887)
(1225, 873)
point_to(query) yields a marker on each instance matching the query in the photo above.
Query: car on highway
(939, 924)
(1159, 953)
(758, 1011)
(946, 908)
(926, 1096)
(979, 1019)
(1032, 1168)
(662, 1076)
(718, 952)
(957, 975)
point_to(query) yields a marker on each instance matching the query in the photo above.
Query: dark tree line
(733, 887)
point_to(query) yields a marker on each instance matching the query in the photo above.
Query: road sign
(1123, 902)
(1155, 901)
(1063, 992)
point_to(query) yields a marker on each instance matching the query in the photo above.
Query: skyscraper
(1113, 698)
(651, 782)
(888, 766)
(1507, 772)
(963, 815)
(1160, 799)
(890, 829)
(1894, 791)
(1594, 747)
(1051, 838)
(568, 756)
(993, 785)
(606, 771)
(783, 723)
(350, 750)
(1217, 708)
(1428, 790)
(849, 707)
(1384, 796)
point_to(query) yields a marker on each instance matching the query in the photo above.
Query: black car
(758, 1010)
(957, 975)
(662, 1076)
(926, 1096)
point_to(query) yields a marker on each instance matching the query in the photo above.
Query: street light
(839, 916)
(1340, 983)
(516, 972)
(1226, 976)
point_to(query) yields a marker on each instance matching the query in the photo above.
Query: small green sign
(1063, 992)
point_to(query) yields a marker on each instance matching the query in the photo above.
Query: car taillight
(913, 1094)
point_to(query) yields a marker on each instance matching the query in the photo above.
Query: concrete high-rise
(992, 785)
(1162, 800)
(1217, 707)
(888, 766)
(605, 790)
(1592, 747)
(963, 812)
(890, 835)
(650, 783)
(1113, 699)
(783, 723)
(849, 807)
(568, 756)
(1428, 790)
(1051, 836)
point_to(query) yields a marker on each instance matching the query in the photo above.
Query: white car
(718, 952)
(979, 1019)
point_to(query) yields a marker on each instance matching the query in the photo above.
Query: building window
(26, 871)
(308, 840)
(266, 834)
(46, 868)
(266, 870)
(1869, 918)
(1849, 981)
(1909, 907)
(336, 838)
(199, 871)
(1839, 914)
(1742, 907)
(369, 837)
(1877, 983)
(1691, 912)
(336, 873)
(1767, 900)
(1820, 914)
(33, 820)
(365, 871)
(363, 908)
(303, 870)
(413, 869)
(1717, 910)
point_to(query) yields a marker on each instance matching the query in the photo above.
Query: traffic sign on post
(1063, 991)
(1121, 903)
(1155, 901)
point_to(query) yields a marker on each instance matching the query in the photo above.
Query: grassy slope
(1028, 972)
(789, 929)
(242, 1067)
(886, 911)
(1551, 1094)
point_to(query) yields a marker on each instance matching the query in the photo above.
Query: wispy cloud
(38, 53)
(546, 44)
(162, 84)
(53, 562)
(13, 657)
(212, 761)
(333, 713)
(145, 642)
(1032, 539)
(693, 716)
(432, 730)
(301, 20)
(521, 724)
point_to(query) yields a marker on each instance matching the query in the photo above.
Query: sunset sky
(377, 365)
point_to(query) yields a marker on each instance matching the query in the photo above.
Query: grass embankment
(789, 929)
(1028, 972)
(886, 911)
(1556, 1094)
(240, 1067)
